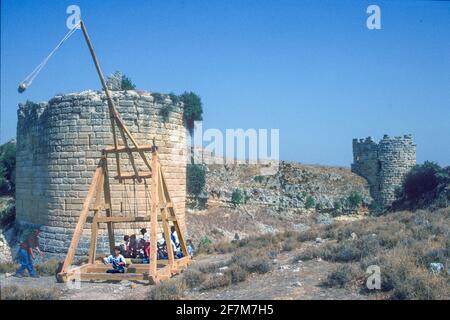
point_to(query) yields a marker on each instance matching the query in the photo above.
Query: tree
(127, 84)
(354, 200)
(310, 202)
(237, 197)
(193, 109)
(118, 81)
(7, 168)
(421, 179)
(196, 179)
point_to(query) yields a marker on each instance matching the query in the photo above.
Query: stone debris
(436, 267)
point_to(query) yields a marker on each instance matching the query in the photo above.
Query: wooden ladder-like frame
(161, 208)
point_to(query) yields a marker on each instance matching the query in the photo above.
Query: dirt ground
(288, 280)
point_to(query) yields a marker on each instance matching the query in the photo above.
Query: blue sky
(309, 68)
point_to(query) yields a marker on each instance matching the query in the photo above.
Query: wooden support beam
(107, 193)
(144, 148)
(128, 219)
(154, 215)
(139, 175)
(83, 215)
(165, 223)
(113, 276)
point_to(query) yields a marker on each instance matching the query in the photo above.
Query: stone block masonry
(59, 145)
(384, 165)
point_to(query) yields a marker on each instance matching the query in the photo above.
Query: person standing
(26, 255)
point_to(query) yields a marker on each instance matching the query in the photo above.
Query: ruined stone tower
(59, 144)
(384, 165)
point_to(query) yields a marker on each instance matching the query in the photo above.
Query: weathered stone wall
(59, 145)
(384, 165)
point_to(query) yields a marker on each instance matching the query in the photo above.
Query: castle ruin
(384, 165)
(59, 145)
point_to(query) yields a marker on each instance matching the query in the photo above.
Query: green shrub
(118, 81)
(127, 84)
(193, 109)
(216, 281)
(205, 246)
(310, 202)
(421, 179)
(224, 247)
(7, 211)
(175, 99)
(426, 185)
(237, 197)
(7, 168)
(158, 97)
(354, 200)
(165, 111)
(341, 276)
(193, 278)
(290, 244)
(196, 179)
(259, 179)
(252, 260)
(237, 274)
(309, 253)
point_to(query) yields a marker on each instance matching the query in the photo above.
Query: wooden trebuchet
(161, 207)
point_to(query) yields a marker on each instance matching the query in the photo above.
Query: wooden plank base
(136, 271)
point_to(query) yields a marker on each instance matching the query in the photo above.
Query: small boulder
(436, 267)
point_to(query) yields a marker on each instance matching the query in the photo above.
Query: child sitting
(117, 261)
(132, 248)
(125, 247)
(190, 248)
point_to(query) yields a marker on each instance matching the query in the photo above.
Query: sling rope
(29, 79)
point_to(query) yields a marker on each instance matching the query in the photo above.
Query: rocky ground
(285, 186)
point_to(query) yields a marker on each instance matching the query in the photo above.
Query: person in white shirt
(117, 261)
(145, 235)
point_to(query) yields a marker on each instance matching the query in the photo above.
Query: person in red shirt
(26, 255)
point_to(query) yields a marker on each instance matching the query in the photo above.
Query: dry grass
(48, 268)
(343, 276)
(402, 244)
(8, 267)
(168, 290)
(17, 293)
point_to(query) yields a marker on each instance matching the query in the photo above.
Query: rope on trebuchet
(29, 79)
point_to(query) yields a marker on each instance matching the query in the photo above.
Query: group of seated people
(140, 249)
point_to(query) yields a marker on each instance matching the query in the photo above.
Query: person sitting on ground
(124, 247)
(140, 249)
(190, 248)
(147, 252)
(145, 235)
(174, 237)
(132, 248)
(162, 249)
(117, 261)
(26, 254)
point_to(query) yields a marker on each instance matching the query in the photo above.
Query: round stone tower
(59, 145)
(397, 156)
(384, 165)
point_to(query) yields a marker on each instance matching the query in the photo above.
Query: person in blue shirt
(117, 261)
